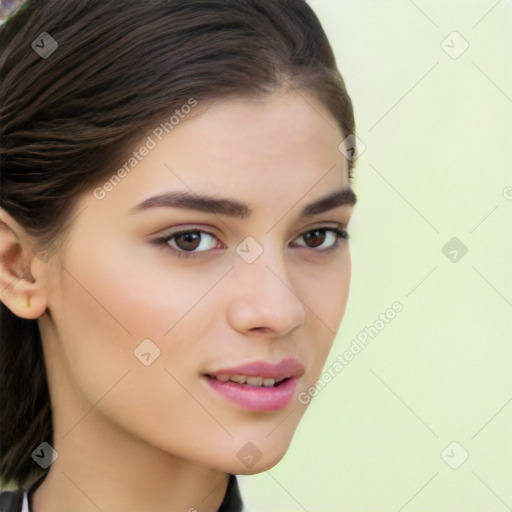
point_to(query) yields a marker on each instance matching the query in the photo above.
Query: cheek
(326, 298)
(341, 290)
(99, 329)
(107, 306)
(135, 294)
(326, 293)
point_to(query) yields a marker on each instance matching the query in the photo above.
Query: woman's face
(145, 326)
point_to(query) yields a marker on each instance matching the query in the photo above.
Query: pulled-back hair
(70, 117)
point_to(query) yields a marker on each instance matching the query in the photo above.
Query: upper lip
(289, 367)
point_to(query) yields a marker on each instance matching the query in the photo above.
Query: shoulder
(10, 501)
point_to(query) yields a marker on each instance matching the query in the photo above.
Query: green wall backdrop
(421, 419)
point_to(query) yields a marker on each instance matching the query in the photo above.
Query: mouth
(258, 386)
(246, 380)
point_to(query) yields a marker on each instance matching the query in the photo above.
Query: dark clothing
(12, 501)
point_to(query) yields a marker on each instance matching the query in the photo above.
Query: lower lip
(255, 398)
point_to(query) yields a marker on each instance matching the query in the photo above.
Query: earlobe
(20, 291)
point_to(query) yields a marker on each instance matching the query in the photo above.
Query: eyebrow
(236, 209)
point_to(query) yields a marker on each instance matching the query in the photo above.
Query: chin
(260, 466)
(252, 458)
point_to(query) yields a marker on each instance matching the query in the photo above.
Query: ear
(22, 273)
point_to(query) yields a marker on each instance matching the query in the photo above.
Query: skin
(144, 438)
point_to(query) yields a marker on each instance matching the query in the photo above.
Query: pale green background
(438, 157)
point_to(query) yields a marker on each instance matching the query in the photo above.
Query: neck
(107, 469)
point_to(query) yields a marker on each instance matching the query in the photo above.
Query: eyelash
(163, 242)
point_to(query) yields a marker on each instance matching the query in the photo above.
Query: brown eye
(315, 238)
(188, 241)
(322, 239)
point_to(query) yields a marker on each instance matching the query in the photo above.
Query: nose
(263, 298)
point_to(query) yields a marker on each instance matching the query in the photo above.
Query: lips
(258, 386)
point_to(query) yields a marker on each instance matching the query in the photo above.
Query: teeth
(254, 381)
(251, 381)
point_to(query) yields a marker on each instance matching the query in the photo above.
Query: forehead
(288, 135)
(270, 153)
(279, 126)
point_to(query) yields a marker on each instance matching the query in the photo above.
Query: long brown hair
(116, 68)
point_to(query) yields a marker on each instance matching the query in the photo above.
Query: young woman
(174, 256)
